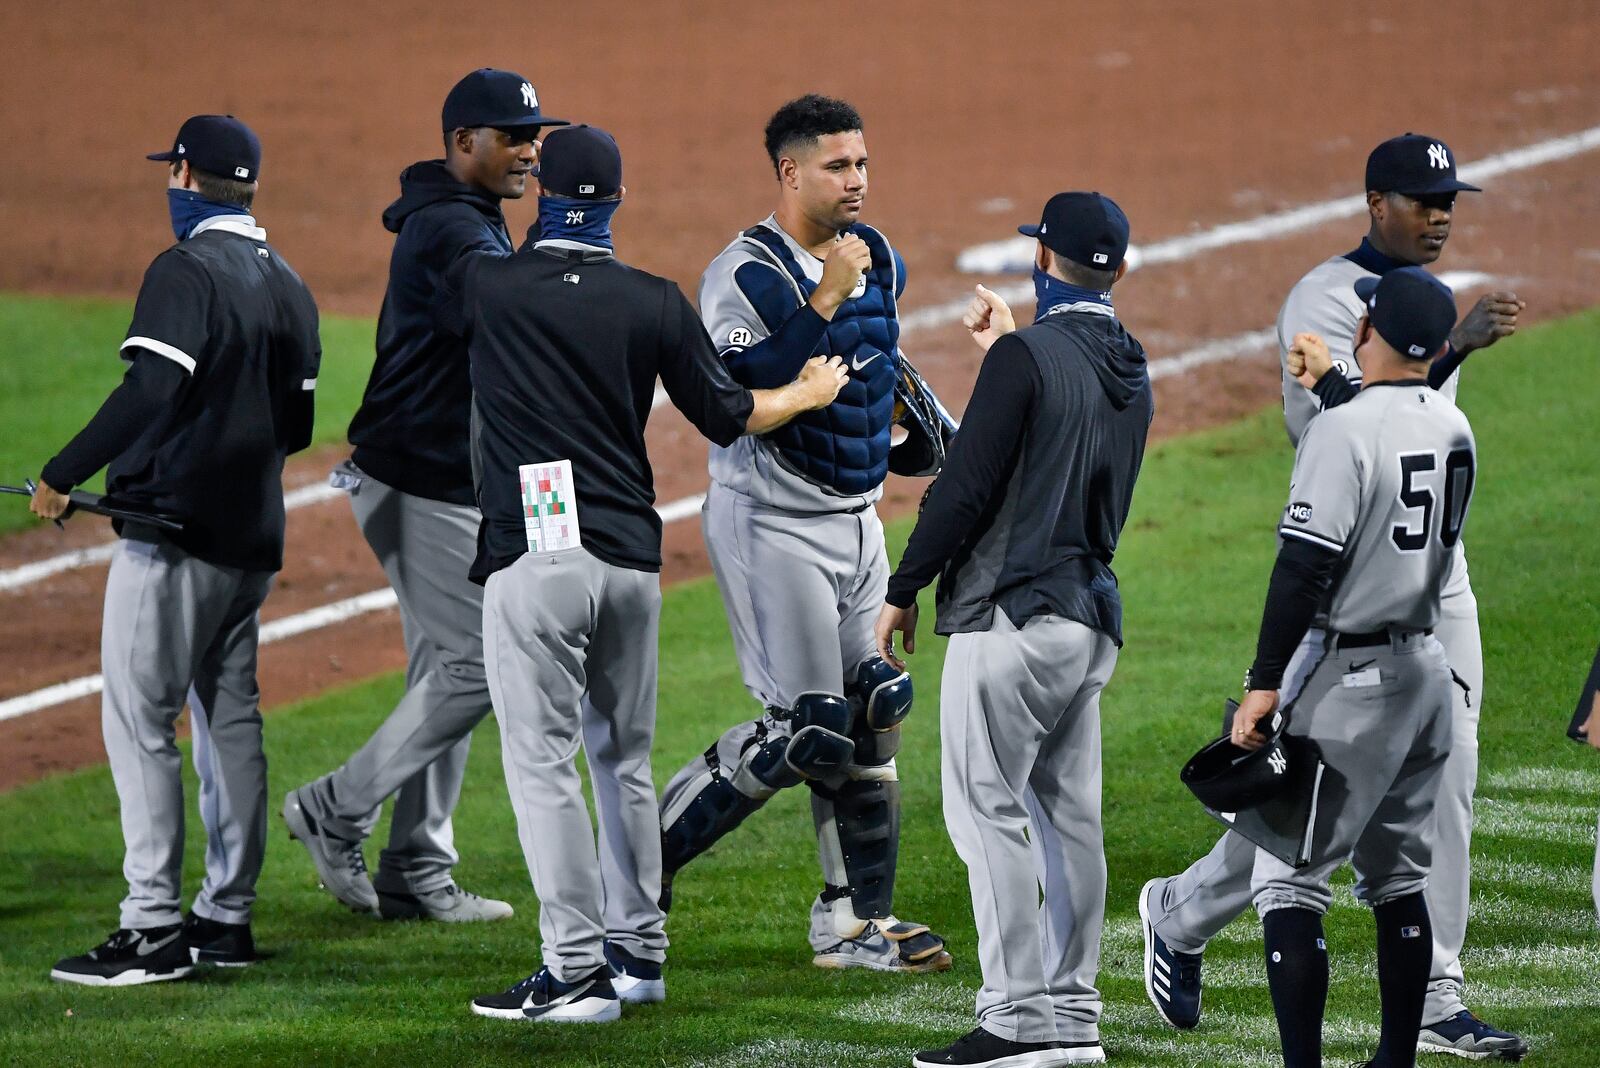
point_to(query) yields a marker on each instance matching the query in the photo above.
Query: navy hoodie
(412, 427)
(1026, 513)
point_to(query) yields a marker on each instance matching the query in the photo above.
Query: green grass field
(61, 361)
(345, 990)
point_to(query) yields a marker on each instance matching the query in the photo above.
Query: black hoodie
(412, 427)
(1026, 514)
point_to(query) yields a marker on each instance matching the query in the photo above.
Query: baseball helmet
(1228, 778)
(928, 426)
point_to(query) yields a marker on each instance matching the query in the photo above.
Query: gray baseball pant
(571, 655)
(418, 755)
(1020, 726)
(1385, 746)
(1190, 908)
(176, 626)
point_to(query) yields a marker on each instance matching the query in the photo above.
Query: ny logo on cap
(574, 218)
(529, 97)
(1438, 156)
(1044, 228)
(181, 149)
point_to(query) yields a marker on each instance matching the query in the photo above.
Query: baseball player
(1412, 185)
(410, 486)
(566, 343)
(798, 549)
(222, 361)
(1378, 499)
(1021, 526)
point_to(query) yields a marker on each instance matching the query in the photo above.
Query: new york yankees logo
(574, 218)
(1278, 761)
(529, 97)
(1438, 156)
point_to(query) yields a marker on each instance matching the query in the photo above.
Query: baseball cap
(489, 97)
(217, 144)
(580, 161)
(1410, 309)
(1086, 228)
(1415, 165)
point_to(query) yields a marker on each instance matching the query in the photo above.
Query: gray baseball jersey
(1324, 303)
(1384, 480)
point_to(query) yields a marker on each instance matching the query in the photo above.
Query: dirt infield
(1189, 117)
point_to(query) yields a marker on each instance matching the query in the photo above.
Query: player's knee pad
(819, 745)
(882, 692)
(874, 748)
(712, 807)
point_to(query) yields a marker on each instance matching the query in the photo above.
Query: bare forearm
(775, 407)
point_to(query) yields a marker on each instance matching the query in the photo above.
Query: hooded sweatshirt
(1026, 513)
(411, 430)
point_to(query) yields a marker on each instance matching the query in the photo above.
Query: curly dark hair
(806, 119)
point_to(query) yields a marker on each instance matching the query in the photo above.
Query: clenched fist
(1492, 318)
(1308, 359)
(988, 318)
(847, 261)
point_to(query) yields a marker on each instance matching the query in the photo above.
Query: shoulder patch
(740, 337)
(1300, 512)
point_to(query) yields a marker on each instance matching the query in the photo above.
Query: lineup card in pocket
(549, 507)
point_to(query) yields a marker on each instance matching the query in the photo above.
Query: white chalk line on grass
(1016, 253)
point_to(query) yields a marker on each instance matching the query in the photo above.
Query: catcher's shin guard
(696, 813)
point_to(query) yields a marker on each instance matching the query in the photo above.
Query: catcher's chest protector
(845, 446)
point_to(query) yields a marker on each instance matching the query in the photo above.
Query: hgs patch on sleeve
(1300, 512)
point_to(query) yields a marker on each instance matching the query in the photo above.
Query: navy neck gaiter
(189, 209)
(572, 219)
(1052, 293)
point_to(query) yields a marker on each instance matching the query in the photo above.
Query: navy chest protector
(845, 446)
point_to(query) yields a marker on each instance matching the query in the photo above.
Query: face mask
(571, 219)
(189, 209)
(1052, 292)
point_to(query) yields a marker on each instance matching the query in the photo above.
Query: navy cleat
(1464, 1035)
(543, 998)
(1171, 978)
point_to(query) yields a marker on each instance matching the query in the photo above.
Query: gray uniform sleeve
(729, 315)
(1330, 314)
(1325, 490)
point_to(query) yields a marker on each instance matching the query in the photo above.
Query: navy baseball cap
(1415, 165)
(1410, 309)
(489, 97)
(1086, 228)
(580, 161)
(216, 144)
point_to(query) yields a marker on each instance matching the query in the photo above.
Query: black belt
(1370, 638)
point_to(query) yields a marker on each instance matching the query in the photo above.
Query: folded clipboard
(1585, 703)
(1283, 826)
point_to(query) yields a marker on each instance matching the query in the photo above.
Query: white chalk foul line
(1016, 253)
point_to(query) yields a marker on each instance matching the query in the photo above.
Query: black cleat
(129, 957)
